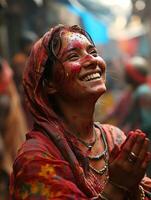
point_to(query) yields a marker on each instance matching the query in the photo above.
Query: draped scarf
(43, 113)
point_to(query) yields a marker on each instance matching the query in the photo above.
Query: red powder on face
(75, 69)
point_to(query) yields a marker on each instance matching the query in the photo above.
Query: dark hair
(55, 45)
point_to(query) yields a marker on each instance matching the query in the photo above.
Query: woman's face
(81, 71)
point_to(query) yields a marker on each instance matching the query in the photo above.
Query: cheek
(75, 68)
(102, 63)
(72, 70)
(59, 75)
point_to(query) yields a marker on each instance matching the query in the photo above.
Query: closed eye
(93, 52)
(72, 57)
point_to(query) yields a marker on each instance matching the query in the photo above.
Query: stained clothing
(50, 165)
(41, 171)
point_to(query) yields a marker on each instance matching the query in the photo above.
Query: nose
(90, 61)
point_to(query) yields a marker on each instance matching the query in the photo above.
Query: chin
(100, 89)
(97, 92)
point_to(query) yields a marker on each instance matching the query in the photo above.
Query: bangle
(142, 192)
(125, 189)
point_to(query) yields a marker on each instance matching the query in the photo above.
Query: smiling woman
(67, 155)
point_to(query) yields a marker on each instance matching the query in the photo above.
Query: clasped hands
(128, 164)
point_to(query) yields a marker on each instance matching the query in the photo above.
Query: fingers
(139, 144)
(114, 153)
(128, 144)
(129, 134)
(134, 144)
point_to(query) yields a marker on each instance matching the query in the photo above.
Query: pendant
(89, 147)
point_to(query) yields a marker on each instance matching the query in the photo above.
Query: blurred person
(18, 63)
(67, 155)
(136, 73)
(4, 175)
(12, 125)
(26, 41)
(15, 115)
(140, 114)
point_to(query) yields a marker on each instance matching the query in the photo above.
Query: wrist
(113, 193)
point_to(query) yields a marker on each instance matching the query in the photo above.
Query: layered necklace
(103, 155)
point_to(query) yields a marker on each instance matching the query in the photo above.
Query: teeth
(92, 76)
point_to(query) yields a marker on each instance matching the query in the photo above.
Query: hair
(55, 45)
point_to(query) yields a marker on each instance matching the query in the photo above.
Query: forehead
(72, 38)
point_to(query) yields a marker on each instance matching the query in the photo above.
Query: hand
(127, 165)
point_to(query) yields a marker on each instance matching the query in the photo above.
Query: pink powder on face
(70, 42)
(75, 69)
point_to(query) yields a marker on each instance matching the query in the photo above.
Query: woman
(67, 155)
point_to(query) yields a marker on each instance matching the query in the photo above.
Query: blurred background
(121, 30)
(118, 27)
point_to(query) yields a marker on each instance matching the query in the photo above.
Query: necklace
(89, 145)
(102, 170)
(102, 154)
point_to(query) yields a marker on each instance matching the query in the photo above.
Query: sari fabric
(49, 165)
(41, 172)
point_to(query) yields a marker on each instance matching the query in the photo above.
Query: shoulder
(37, 150)
(39, 153)
(114, 135)
(38, 142)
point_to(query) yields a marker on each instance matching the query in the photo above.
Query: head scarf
(43, 114)
(137, 69)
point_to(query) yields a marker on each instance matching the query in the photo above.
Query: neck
(79, 117)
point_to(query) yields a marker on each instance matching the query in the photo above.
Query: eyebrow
(75, 48)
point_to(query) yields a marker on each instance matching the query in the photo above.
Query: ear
(50, 87)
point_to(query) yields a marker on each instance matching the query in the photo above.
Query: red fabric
(41, 172)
